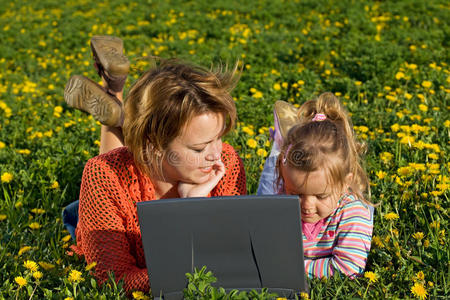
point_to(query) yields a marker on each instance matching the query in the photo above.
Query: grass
(387, 61)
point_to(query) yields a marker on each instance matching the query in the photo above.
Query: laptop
(248, 242)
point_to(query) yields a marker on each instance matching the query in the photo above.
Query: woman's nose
(215, 152)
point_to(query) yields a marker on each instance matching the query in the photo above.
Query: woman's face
(190, 157)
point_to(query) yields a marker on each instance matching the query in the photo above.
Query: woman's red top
(108, 229)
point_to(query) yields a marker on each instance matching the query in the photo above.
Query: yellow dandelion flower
(423, 107)
(426, 84)
(37, 275)
(2, 145)
(252, 143)
(436, 193)
(261, 152)
(55, 185)
(277, 87)
(20, 281)
(66, 238)
(419, 291)
(443, 186)
(75, 276)
(399, 75)
(7, 177)
(391, 216)
(358, 83)
(418, 235)
(373, 277)
(395, 127)
(46, 266)
(2, 217)
(68, 298)
(363, 128)
(304, 296)
(38, 211)
(377, 241)
(90, 266)
(407, 140)
(417, 166)
(30, 265)
(420, 276)
(258, 95)
(24, 249)
(419, 145)
(381, 174)
(433, 156)
(139, 295)
(34, 225)
(24, 151)
(281, 298)
(248, 130)
(404, 171)
(386, 156)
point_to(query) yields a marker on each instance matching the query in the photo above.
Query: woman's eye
(199, 150)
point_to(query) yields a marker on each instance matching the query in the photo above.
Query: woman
(171, 147)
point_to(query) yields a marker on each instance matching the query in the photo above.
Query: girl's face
(318, 200)
(191, 156)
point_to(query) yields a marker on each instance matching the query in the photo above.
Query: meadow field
(388, 61)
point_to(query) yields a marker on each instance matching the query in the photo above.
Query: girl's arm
(351, 244)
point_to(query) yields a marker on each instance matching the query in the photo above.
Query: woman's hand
(187, 190)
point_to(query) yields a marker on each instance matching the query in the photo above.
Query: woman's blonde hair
(164, 99)
(329, 143)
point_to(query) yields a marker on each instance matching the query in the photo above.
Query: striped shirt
(339, 242)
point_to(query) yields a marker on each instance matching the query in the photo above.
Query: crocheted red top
(108, 229)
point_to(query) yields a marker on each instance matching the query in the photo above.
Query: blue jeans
(267, 181)
(70, 217)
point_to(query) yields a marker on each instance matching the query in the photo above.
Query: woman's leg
(70, 217)
(82, 93)
(111, 137)
(112, 66)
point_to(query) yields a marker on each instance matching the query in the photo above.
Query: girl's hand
(187, 190)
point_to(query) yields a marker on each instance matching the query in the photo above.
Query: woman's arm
(234, 181)
(101, 232)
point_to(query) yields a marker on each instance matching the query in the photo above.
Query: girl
(319, 161)
(171, 147)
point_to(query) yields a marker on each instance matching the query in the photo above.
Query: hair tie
(319, 117)
(286, 153)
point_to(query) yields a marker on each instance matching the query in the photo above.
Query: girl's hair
(330, 143)
(164, 99)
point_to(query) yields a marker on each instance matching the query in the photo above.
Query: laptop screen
(248, 242)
